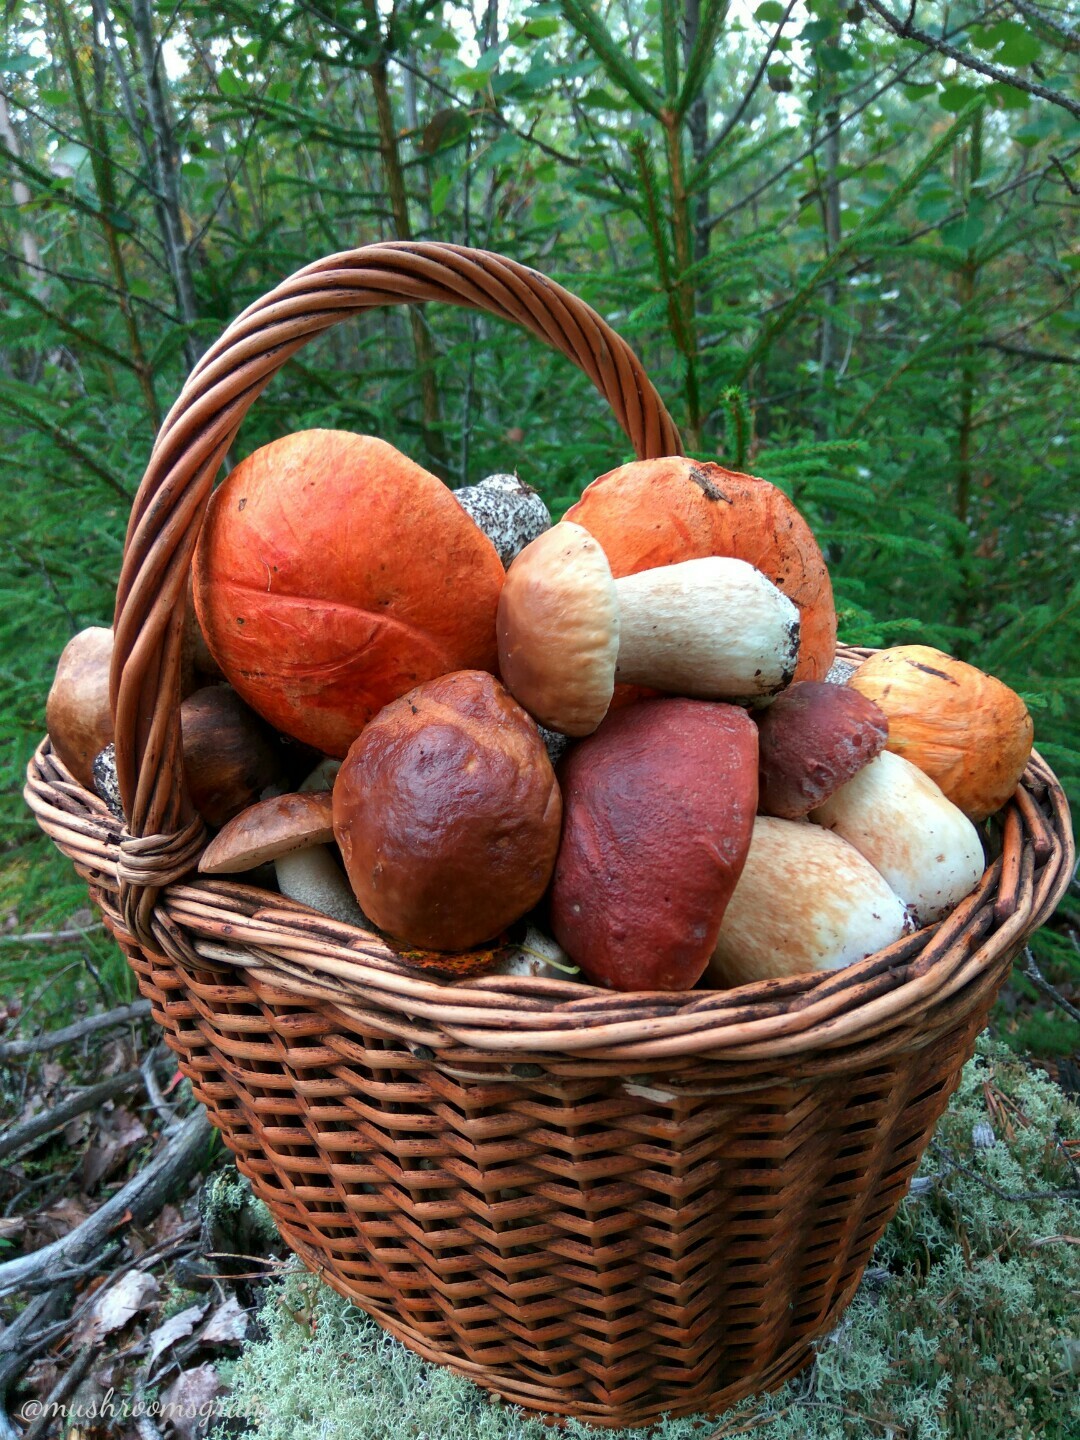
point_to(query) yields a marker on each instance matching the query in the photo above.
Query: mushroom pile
(617, 746)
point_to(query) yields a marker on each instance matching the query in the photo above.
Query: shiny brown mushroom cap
(268, 830)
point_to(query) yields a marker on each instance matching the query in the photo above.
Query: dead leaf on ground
(189, 1402)
(58, 1219)
(228, 1325)
(175, 1328)
(116, 1305)
(168, 1223)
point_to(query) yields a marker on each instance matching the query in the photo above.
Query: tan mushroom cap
(268, 830)
(558, 629)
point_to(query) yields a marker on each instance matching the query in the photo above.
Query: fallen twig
(1039, 980)
(18, 1137)
(67, 1384)
(153, 1089)
(51, 937)
(142, 1196)
(53, 1039)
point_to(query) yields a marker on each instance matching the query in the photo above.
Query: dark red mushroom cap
(658, 810)
(813, 738)
(447, 812)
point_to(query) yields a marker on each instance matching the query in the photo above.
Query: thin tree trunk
(399, 206)
(827, 350)
(20, 193)
(166, 170)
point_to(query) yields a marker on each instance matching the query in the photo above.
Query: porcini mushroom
(806, 900)
(713, 628)
(447, 812)
(895, 816)
(332, 574)
(77, 713)
(294, 831)
(509, 512)
(660, 512)
(812, 739)
(658, 812)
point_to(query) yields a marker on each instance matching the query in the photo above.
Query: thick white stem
(714, 628)
(313, 877)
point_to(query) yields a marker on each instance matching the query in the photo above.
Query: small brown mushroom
(714, 628)
(813, 738)
(294, 831)
(77, 713)
(230, 754)
(267, 830)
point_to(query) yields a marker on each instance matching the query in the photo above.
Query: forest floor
(147, 1294)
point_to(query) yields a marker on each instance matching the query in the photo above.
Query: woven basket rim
(219, 923)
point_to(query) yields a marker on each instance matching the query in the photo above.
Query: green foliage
(965, 1327)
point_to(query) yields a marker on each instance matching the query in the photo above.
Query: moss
(965, 1325)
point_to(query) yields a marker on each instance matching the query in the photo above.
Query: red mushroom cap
(333, 574)
(658, 813)
(813, 738)
(447, 813)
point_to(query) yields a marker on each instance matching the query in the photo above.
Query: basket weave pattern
(600, 1205)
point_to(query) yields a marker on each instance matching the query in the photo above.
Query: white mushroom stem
(314, 878)
(896, 816)
(715, 628)
(806, 900)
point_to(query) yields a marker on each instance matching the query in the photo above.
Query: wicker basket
(601, 1205)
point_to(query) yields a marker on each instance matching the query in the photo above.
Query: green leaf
(230, 84)
(540, 29)
(19, 64)
(816, 30)
(1016, 43)
(770, 13)
(917, 92)
(954, 97)
(834, 59)
(440, 193)
(1007, 97)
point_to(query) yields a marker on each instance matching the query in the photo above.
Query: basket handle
(164, 835)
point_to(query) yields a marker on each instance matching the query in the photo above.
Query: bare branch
(53, 1039)
(908, 31)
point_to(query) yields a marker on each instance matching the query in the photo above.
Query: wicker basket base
(611, 1248)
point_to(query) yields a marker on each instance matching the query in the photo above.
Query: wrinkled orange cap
(333, 574)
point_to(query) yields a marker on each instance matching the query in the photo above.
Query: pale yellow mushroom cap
(558, 628)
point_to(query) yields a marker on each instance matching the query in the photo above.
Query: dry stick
(67, 1384)
(50, 937)
(1039, 980)
(142, 1196)
(153, 1090)
(53, 1039)
(907, 31)
(32, 1130)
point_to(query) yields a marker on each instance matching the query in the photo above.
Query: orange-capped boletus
(658, 813)
(660, 512)
(332, 574)
(713, 628)
(447, 813)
